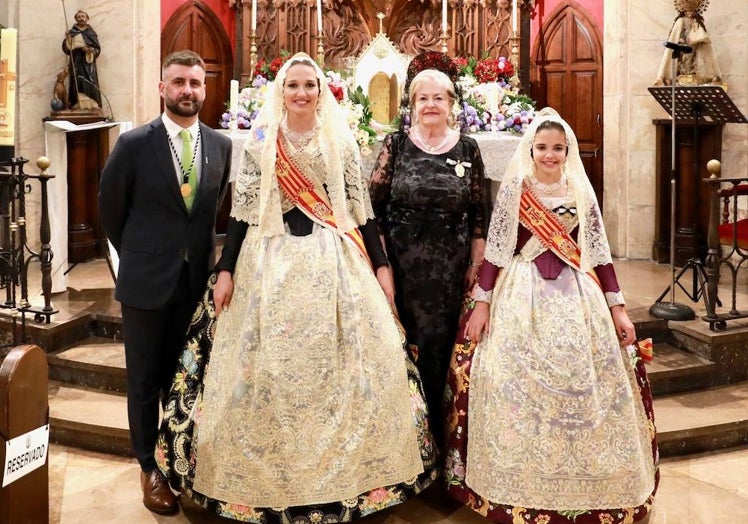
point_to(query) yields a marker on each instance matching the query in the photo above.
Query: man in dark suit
(158, 197)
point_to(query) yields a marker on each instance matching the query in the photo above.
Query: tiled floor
(87, 487)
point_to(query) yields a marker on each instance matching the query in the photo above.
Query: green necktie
(189, 170)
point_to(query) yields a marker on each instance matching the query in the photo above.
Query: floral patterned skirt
(177, 457)
(465, 358)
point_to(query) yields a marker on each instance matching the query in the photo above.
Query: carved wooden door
(195, 26)
(567, 74)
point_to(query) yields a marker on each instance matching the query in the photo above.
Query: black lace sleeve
(480, 195)
(374, 248)
(381, 179)
(235, 232)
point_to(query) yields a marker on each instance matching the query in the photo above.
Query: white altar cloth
(496, 150)
(57, 152)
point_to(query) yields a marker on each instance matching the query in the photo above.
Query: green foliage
(357, 96)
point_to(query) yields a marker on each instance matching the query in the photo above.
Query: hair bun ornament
(432, 60)
(547, 111)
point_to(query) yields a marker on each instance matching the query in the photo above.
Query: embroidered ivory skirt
(306, 397)
(557, 417)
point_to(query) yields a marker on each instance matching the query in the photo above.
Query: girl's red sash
(544, 225)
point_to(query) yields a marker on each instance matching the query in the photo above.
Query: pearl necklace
(299, 140)
(429, 147)
(549, 188)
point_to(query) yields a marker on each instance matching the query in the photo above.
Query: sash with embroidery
(301, 191)
(544, 225)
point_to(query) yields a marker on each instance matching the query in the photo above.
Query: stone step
(99, 363)
(674, 370)
(89, 419)
(702, 420)
(96, 362)
(76, 321)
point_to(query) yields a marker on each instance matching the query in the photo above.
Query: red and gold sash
(300, 190)
(545, 225)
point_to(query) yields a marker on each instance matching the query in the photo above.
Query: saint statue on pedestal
(699, 66)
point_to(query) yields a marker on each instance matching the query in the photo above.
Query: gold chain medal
(186, 190)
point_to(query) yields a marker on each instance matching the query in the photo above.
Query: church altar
(496, 150)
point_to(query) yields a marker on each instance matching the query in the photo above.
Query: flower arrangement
(268, 70)
(353, 101)
(249, 103)
(432, 60)
(491, 100)
(485, 70)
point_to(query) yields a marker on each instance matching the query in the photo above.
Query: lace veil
(502, 232)
(346, 189)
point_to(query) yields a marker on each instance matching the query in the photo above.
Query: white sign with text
(25, 453)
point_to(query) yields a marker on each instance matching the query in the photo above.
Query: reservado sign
(25, 453)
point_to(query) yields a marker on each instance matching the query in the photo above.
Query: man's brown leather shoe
(157, 496)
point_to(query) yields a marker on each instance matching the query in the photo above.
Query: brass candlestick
(252, 55)
(320, 50)
(514, 39)
(443, 39)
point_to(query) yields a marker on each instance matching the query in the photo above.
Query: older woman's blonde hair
(432, 76)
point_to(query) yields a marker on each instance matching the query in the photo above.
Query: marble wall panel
(128, 69)
(634, 32)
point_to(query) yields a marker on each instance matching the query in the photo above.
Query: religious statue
(81, 43)
(60, 93)
(699, 66)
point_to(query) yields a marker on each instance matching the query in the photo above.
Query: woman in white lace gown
(551, 414)
(310, 408)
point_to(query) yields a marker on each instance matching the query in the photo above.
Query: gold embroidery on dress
(551, 379)
(287, 424)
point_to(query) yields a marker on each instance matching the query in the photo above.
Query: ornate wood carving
(475, 27)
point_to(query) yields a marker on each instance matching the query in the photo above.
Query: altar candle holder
(320, 50)
(514, 40)
(252, 55)
(443, 39)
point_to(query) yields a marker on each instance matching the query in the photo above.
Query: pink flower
(377, 495)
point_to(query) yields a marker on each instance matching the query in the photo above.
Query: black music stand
(700, 103)
(705, 103)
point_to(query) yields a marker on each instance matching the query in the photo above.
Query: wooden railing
(725, 230)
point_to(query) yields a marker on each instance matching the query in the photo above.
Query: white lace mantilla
(502, 232)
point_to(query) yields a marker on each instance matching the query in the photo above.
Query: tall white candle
(444, 16)
(254, 16)
(234, 95)
(319, 17)
(514, 16)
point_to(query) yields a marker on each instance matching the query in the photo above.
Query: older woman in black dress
(432, 204)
